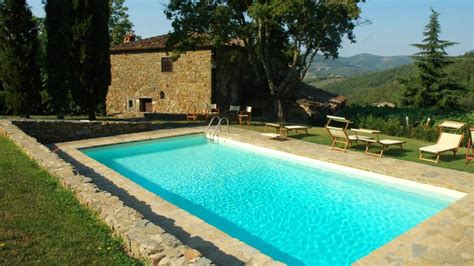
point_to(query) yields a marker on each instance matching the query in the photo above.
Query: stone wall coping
(51, 131)
(85, 121)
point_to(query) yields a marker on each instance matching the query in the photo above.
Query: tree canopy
(432, 86)
(119, 23)
(58, 24)
(91, 58)
(281, 37)
(19, 50)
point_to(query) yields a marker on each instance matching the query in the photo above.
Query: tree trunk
(91, 113)
(60, 115)
(278, 108)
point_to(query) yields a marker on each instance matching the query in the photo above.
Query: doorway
(146, 105)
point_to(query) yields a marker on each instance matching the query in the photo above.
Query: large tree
(91, 58)
(281, 37)
(19, 47)
(58, 25)
(432, 87)
(119, 23)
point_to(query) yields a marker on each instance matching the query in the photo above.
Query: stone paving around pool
(446, 238)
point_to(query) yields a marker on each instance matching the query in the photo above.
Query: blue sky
(395, 24)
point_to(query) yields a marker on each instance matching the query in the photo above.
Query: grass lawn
(410, 150)
(42, 223)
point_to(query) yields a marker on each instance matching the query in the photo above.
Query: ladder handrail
(219, 125)
(210, 123)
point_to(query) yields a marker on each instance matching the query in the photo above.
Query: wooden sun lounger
(277, 127)
(297, 128)
(470, 147)
(281, 133)
(373, 138)
(446, 142)
(339, 136)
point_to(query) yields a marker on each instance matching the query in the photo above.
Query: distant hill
(383, 85)
(354, 65)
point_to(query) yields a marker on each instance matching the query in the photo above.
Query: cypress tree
(58, 54)
(433, 86)
(91, 58)
(19, 46)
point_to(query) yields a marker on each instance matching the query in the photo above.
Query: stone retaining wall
(53, 131)
(142, 238)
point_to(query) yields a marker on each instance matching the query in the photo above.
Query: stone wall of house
(54, 131)
(138, 75)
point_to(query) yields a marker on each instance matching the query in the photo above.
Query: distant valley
(354, 65)
(366, 79)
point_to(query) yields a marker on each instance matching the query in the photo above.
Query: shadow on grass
(446, 157)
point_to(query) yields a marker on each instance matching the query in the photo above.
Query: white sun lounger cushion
(270, 135)
(386, 141)
(296, 127)
(337, 132)
(452, 124)
(354, 137)
(391, 142)
(446, 142)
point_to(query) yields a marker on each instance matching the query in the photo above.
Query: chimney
(129, 38)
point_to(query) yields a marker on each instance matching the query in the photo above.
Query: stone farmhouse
(145, 79)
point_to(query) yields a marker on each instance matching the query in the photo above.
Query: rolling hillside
(383, 86)
(354, 65)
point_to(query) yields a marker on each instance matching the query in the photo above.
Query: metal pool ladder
(214, 135)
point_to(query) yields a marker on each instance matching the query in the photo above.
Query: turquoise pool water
(296, 213)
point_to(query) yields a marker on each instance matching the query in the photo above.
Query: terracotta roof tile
(157, 42)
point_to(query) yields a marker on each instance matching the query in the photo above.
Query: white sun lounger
(277, 127)
(339, 134)
(297, 128)
(470, 147)
(373, 138)
(446, 142)
(279, 136)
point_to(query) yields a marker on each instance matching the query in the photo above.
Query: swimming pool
(295, 210)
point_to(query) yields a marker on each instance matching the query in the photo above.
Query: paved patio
(447, 237)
